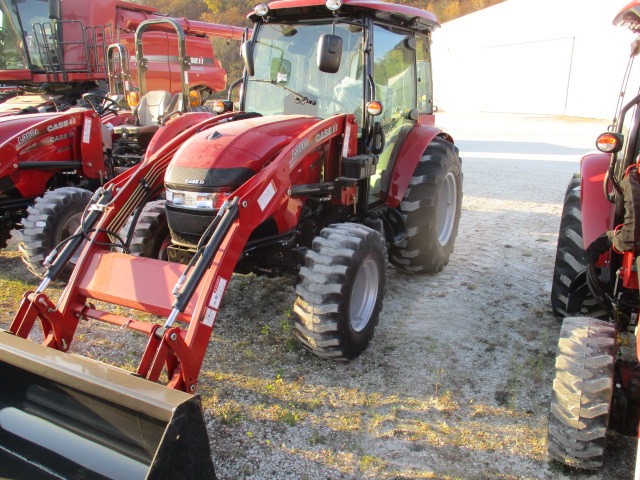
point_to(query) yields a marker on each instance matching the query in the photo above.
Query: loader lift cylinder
(222, 223)
(100, 198)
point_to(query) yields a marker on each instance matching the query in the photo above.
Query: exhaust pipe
(68, 417)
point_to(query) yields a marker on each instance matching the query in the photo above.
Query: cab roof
(629, 17)
(403, 15)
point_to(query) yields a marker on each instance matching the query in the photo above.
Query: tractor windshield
(18, 17)
(287, 79)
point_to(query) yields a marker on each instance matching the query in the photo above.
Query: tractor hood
(223, 157)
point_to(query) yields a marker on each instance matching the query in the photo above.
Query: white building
(559, 57)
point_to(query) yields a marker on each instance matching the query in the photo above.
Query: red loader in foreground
(329, 167)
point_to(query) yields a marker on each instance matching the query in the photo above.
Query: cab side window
(424, 79)
(394, 77)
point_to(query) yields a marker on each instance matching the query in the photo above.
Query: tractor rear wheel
(53, 218)
(569, 261)
(151, 236)
(582, 392)
(431, 211)
(341, 290)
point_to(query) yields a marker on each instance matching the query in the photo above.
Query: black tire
(570, 256)
(341, 290)
(53, 217)
(431, 210)
(582, 392)
(151, 236)
(5, 235)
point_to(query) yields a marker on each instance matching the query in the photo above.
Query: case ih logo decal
(26, 136)
(326, 132)
(320, 136)
(66, 123)
(201, 61)
(57, 138)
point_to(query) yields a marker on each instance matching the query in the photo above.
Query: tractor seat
(152, 107)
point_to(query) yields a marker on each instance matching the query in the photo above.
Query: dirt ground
(456, 382)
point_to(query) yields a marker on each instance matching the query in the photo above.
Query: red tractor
(330, 167)
(52, 52)
(52, 162)
(595, 286)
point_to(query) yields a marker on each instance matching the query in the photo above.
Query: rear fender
(406, 160)
(597, 211)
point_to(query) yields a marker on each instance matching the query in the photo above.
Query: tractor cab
(369, 60)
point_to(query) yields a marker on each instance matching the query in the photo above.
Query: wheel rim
(163, 251)
(447, 203)
(69, 228)
(364, 295)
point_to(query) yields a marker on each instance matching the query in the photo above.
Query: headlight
(196, 200)
(334, 5)
(261, 9)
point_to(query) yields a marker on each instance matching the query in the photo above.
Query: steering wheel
(342, 106)
(60, 105)
(101, 103)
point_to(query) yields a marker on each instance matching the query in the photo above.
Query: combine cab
(52, 52)
(329, 167)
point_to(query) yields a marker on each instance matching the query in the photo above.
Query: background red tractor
(597, 379)
(330, 167)
(52, 162)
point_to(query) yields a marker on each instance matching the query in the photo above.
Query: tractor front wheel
(151, 236)
(53, 218)
(582, 392)
(431, 211)
(341, 290)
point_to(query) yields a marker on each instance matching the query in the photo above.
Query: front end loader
(325, 168)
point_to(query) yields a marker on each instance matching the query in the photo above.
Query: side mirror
(247, 57)
(54, 9)
(329, 53)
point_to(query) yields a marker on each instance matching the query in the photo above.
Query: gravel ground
(456, 382)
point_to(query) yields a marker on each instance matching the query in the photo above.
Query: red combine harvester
(52, 52)
(596, 388)
(330, 168)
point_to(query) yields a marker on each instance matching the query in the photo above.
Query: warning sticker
(86, 134)
(216, 296)
(267, 195)
(209, 317)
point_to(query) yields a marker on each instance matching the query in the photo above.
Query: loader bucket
(69, 417)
